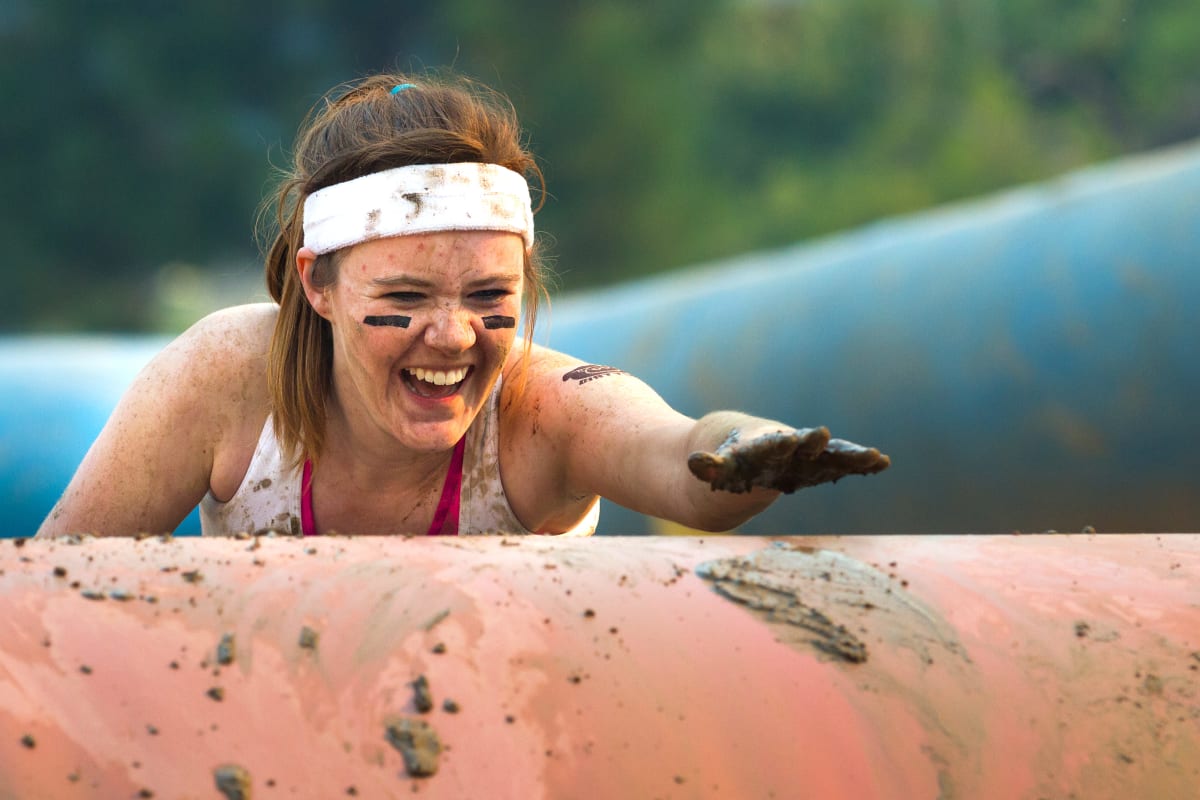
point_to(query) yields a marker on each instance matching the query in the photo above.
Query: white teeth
(439, 377)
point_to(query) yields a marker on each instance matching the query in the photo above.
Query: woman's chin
(431, 438)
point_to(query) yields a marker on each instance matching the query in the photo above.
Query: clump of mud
(417, 742)
(422, 696)
(233, 781)
(308, 638)
(226, 650)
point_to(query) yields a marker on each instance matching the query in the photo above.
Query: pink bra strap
(307, 523)
(445, 518)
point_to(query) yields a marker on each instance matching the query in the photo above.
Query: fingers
(855, 458)
(708, 467)
(811, 442)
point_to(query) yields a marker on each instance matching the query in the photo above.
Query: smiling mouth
(434, 383)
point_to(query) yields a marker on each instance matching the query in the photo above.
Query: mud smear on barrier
(830, 602)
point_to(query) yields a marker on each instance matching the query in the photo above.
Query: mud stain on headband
(390, 321)
(494, 322)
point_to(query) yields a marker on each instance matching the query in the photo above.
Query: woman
(382, 393)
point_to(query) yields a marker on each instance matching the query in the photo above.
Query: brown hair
(357, 129)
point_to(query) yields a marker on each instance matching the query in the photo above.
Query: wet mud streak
(494, 322)
(591, 372)
(417, 742)
(815, 598)
(388, 321)
(232, 781)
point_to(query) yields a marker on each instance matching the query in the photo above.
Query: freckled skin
(445, 331)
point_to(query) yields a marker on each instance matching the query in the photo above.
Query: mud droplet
(417, 742)
(308, 638)
(192, 576)
(589, 613)
(92, 594)
(422, 698)
(216, 693)
(29, 741)
(450, 706)
(233, 781)
(60, 572)
(439, 648)
(226, 650)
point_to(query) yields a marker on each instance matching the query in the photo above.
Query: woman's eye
(490, 295)
(405, 297)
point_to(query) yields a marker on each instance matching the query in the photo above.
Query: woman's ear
(317, 298)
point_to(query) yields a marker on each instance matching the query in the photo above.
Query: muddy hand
(784, 460)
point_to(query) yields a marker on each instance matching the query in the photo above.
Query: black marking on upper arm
(493, 322)
(392, 320)
(590, 372)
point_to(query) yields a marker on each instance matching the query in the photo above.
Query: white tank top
(269, 496)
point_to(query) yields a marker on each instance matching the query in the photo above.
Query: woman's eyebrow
(402, 280)
(494, 280)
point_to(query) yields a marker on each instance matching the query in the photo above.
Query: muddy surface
(784, 461)
(830, 602)
(417, 742)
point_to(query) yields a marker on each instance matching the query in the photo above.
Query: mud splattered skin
(784, 461)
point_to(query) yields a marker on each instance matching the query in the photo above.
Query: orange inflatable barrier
(614, 667)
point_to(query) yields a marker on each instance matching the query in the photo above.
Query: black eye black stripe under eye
(498, 321)
(393, 320)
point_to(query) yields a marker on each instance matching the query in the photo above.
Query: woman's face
(422, 326)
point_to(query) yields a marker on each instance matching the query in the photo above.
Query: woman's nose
(451, 330)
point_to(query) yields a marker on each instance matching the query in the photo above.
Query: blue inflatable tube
(1028, 360)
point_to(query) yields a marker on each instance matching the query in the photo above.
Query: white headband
(418, 199)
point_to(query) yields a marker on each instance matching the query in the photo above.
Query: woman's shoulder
(214, 373)
(226, 346)
(221, 363)
(244, 328)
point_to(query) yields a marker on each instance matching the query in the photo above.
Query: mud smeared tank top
(272, 496)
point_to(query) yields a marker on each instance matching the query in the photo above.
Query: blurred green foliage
(139, 136)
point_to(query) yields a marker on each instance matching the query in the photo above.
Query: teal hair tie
(400, 87)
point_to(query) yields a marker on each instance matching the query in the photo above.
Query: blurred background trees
(138, 137)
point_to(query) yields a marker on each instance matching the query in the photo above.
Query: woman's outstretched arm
(614, 436)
